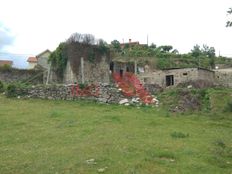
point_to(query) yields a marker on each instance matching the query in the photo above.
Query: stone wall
(103, 93)
(224, 77)
(208, 75)
(107, 93)
(17, 75)
(93, 72)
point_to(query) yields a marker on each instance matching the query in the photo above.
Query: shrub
(11, 90)
(82, 85)
(228, 107)
(179, 135)
(1, 86)
(6, 68)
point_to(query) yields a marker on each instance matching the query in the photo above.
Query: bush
(6, 68)
(228, 107)
(1, 86)
(179, 135)
(11, 90)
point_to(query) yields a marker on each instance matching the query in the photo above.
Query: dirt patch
(187, 101)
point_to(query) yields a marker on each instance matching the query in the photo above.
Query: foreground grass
(39, 136)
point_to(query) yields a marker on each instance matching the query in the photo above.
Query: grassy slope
(38, 136)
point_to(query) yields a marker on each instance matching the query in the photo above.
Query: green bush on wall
(11, 90)
(229, 106)
(1, 86)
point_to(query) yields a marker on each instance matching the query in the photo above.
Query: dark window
(185, 74)
(127, 69)
(112, 66)
(121, 72)
(169, 80)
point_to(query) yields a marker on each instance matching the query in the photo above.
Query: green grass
(40, 136)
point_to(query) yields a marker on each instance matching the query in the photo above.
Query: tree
(196, 51)
(87, 39)
(208, 51)
(229, 23)
(116, 45)
(165, 48)
(153, 46)
(102, 46)
(175, 51)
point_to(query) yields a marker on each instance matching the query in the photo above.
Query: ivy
(58, 59)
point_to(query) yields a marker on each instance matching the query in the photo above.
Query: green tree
(208, 51)
(196, 51)
(229, 23)
(153, 46)
(103, 46)
(116, 45)
(165, 48)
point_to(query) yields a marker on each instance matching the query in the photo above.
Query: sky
(28, 27)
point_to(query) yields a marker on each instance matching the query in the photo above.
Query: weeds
(228, 107)
(179, 135)
(1, 86)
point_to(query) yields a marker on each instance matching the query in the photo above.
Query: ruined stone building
(100, 71)
(224, 77)
(87, 72)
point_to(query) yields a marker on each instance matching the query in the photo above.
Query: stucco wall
(31, 65)
(206, 75)
(180, 76)
(43, 60)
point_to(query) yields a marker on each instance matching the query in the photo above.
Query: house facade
(6, 63)
(42, 59)
(163, 78)
(32, 62)
(173, 77)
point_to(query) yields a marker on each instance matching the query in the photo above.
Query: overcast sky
(31, 26)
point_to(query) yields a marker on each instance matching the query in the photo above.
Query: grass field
(40, 136)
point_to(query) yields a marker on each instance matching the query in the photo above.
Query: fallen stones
(124, 101)
(91, 161)
(101, 170)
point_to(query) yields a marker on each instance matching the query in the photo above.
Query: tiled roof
(47, 50)
(6, 62)
(32, 59)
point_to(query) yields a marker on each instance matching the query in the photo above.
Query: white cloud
(41, 24)
(6, 37)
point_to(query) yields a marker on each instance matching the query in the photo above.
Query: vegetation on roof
(158, 57)
(164, 57)
(77, 46)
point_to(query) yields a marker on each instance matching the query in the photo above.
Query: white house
(32, 62)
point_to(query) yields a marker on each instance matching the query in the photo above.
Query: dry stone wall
(107, 93)
(17, 75)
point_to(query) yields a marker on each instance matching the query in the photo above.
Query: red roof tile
(6, 62)
(32, 59)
